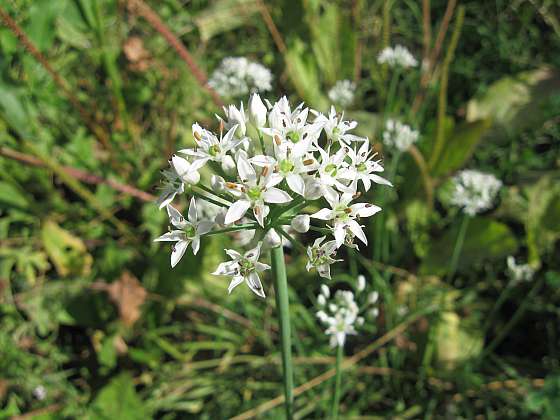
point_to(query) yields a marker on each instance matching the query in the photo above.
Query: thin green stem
(458, 247)
(209, 191)
(290, 238)
(392, 90)
(337, 382)
(209, 199)
(245, 226)
(283, 310)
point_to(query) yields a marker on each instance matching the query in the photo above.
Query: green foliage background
(475, 345)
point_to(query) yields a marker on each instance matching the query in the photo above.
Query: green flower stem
(290, 238)
(246, 226)
(283, 310)
(458, 247)
(209, 199)
(337, 382)
(209, 191)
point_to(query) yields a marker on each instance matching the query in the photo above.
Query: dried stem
(99, 133)
(142, 9)
(425, 173)
(426, 28)
(347, 363)
(433, 56)
(79, 174)
(442, 102)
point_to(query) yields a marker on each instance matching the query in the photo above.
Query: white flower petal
(178, 251)
(254, 283)
(296, 183)
(236, 211)
(323, 214)
(173, 236)
(235, 281)
(193, 216)
(276, 195)
(357, 230)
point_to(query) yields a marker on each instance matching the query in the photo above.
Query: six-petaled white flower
(188, 231)
(244, 268)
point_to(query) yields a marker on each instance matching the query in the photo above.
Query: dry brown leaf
(129, 295)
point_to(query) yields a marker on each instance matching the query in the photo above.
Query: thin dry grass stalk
(142, 9)
(79, 174)
(11, 24)
(349, 362)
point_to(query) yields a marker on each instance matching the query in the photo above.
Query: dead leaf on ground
(128, 294)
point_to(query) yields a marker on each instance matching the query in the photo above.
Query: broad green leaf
(10, 196)
(514, 103)
(455, 343)
(542, 222)
(459, 146)
(118, 400)
(67, 252)
(485, 239)
(224, 16)
(304, 75)
(72, 35)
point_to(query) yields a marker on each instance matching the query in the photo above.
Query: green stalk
(458, 247)
(283, 310)
(337, 382)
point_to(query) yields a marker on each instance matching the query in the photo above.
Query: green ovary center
(214, 150)
(246, 266)
(190, 231)
(361, 167)
(254, 193)
(286, 166)
(331, 169)
(335, 131)
(293, 136)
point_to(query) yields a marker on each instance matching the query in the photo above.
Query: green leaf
(72, 35)
(10, 196)
(455, 342)
(459, 146)
(485, 239)
(224, 16)
(118, 400)
(67, 252)
(514, 103)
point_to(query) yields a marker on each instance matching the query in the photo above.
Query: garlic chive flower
(244, 268)
(519, 272)
(342, 312)
(273, 161)
(321, 256)
(474, 191)
(236, 76)
(342, 93)
(188, 231)
(397, 56)
(399, 136)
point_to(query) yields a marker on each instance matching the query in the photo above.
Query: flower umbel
(474, 191)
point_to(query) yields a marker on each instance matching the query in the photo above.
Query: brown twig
(79, 174)
(426, 28)
(59, 81)
(433, 56)
(278, 40)
(142, 9)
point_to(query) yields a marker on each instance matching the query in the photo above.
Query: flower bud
(301, 223)
(372, 298)
(325, 290)
(257, 111)
(272, 239)
(361, 283)
(217, 183)
(321, 300)
(228, 165)
(313, 189)
(236, 116)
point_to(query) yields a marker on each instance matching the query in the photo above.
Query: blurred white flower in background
(342, 93)
(399, 136)
(40, 392)
(397, 56)
(237, 76)
(474, 191)
(340, 312)
(519, 272)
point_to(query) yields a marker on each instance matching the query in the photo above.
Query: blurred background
(95, 95)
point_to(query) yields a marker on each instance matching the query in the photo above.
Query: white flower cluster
(397, 56)
(340, 313)
(474, 191)
(519, 272)
(236, 76)
(399, 136)
(342, 93)
(269, 164)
